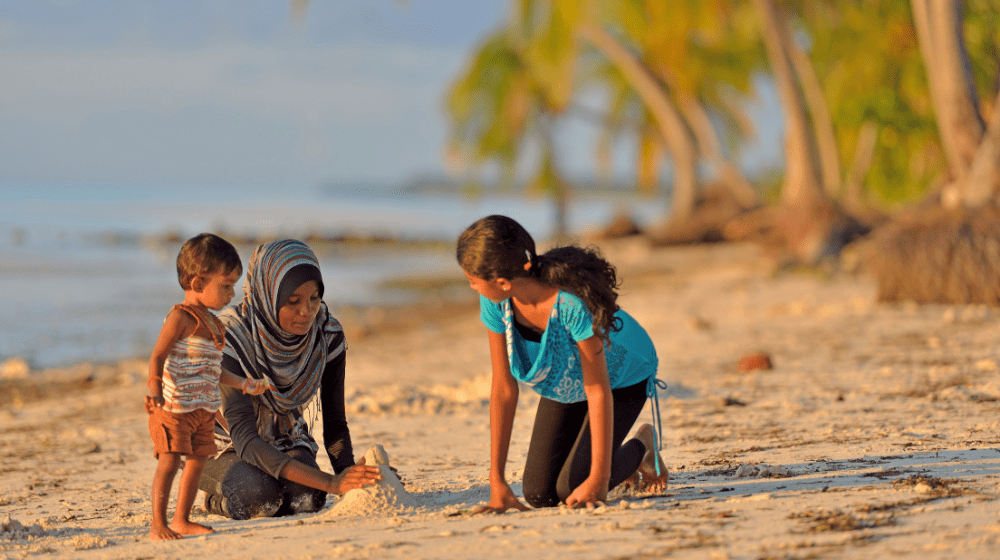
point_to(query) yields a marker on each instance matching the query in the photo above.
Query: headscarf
(254, 337)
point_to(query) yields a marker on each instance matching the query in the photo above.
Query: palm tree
(499, 110)
(548, 38)
(972, 148)
(665, 55)
(808, 223)
(667, 118)
(871, 77)
(952, 255)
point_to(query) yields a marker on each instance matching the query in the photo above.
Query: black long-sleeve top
(241, 414)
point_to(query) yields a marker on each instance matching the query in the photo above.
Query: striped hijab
(259, 346)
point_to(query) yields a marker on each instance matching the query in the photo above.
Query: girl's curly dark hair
(499, 247)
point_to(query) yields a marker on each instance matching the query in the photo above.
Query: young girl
(555, 326)
(184, 373)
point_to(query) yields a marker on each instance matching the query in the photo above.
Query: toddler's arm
(175, 327)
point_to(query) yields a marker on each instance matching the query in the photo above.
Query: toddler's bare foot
(162, 533)
(646, 476)
(190, 528)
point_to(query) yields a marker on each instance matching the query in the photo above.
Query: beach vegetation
(888, 114)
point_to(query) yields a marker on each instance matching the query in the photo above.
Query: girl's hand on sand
(591, 493)
(355, 476)
(502, 498)
(153, 403)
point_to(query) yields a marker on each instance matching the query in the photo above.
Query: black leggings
(559, 453)
(236, 489)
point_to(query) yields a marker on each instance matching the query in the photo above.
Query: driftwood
(715, 208)
(622, 225)
(802, 234)
(938, 256)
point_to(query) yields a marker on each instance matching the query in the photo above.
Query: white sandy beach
(875, 435)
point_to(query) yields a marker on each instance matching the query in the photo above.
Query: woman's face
(299, 312)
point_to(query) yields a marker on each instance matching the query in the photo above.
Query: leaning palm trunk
(808, 226)
(939, 31)
(711, 149)
(668, 118)
(826, 140)
(982, 182)
(802, 172)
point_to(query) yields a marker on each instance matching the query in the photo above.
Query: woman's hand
(356, 476)
(255, 386)
(591, 493)
(502, 498)
(395, 472)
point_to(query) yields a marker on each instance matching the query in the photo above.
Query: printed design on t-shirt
(556, 372)
(553, 367)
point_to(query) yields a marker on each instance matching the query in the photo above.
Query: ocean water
(85, 275)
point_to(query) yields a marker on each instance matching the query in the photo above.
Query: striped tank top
(192, 369)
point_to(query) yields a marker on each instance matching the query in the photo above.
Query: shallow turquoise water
(81, 280)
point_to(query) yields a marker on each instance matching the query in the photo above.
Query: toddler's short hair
(203, 254)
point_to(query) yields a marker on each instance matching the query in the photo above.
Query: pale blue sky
(130, 94)
(163, 93)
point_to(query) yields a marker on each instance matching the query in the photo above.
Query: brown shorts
(186, 433)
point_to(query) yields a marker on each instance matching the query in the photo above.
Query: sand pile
(385, 498)
(12, 529)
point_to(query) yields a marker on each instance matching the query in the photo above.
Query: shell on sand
(385, 498)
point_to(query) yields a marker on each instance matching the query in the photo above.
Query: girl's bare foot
(645, 477)
(162, 533)
(190, 528)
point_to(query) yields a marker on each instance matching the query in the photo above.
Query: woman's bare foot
(190, 528)
(162, 533)
(645, 477)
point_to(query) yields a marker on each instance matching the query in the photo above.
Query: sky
(162, 93)
(188, 95)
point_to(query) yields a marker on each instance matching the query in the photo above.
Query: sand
(875, 435)
(388, 497)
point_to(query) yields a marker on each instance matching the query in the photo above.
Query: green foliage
(699, 49)
(864, 52)
(504, 98)
(545, 33)
(981, 40)
(866, 56)
(490, 103)
(869, 62)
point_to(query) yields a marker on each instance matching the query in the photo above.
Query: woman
(283, 332)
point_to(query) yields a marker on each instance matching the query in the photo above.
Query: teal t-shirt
(552, 367)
